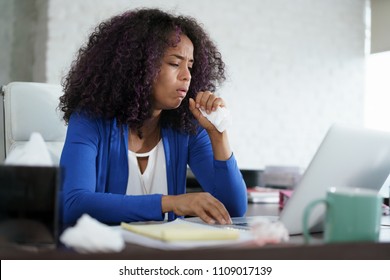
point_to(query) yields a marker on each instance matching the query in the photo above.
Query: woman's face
(172, 82)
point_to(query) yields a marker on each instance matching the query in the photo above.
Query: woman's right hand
(202, 205)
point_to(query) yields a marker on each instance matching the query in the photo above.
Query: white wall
(6, 30)
(294, 67)
(380, 25)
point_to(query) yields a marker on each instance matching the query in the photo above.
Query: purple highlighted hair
(113, 74)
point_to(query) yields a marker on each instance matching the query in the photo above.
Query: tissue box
(29, 205)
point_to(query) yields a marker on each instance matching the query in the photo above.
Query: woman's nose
(185, 74)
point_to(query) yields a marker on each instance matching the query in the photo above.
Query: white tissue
(91, 236)
(220, 118)
(34, 152)
(266, 231)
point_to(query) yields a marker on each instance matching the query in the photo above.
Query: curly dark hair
(113, 73)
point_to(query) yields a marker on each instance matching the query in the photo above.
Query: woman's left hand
(208, 102)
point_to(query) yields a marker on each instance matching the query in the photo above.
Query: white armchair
(32, 107)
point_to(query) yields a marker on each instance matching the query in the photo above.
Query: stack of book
(274, 184)
(263, 195)
(268, 195)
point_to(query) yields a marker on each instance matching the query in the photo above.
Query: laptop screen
(29, 205)
(348, 156)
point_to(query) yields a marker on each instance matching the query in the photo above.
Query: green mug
(352, 214)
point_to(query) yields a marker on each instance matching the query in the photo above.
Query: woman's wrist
(166, 203)
(220, 145)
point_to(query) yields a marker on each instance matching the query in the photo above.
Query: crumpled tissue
(220, 118)
(91, 236)
(268, 232)
(34, 152)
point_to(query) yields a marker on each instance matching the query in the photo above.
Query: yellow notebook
(180, 230)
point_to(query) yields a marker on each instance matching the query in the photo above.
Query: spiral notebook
(181, 230)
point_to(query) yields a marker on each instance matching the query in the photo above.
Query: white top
(154, 178)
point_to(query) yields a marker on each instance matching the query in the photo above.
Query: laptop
(348, 157)
(29, 205)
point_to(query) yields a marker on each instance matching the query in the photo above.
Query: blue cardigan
(95, 173)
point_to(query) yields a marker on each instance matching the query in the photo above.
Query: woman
(132, 101)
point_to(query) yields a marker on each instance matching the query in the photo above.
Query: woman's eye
(174, 64)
